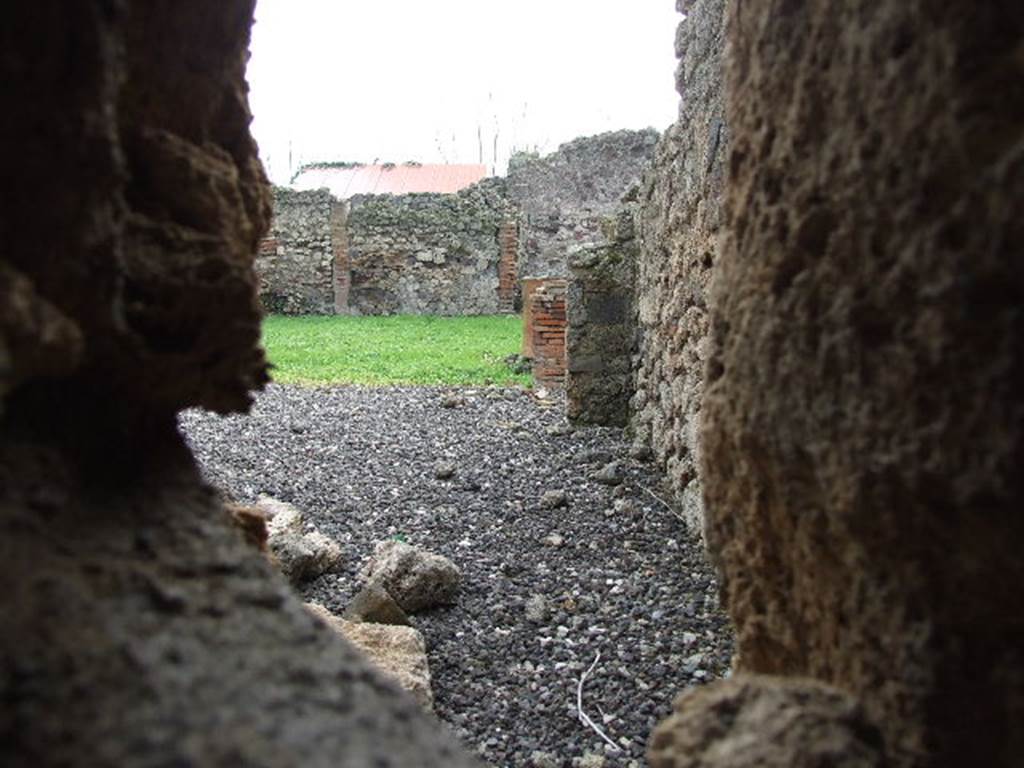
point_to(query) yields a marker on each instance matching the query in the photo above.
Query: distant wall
(681, 214)
(296, 259)
(566, 198)
(439, 254)
(427, 253)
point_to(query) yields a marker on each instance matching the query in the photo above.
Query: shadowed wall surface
(862, 425)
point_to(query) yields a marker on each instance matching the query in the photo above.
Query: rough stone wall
(297, 260)
(138, 627)
(601, 328)
(427, 253)
(863, 421)
(566, 198)
(127, 227)
(681, 218)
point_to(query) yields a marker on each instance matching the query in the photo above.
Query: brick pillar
(339, 247)
(508, 285)
(545, 327)
(529, 287)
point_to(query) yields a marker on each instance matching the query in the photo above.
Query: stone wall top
(593, 172)
(567, 199)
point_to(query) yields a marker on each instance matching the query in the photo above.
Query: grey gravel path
(546, 586)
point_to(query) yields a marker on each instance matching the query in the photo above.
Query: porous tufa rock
(415, 578)
(400, 653)
(374, 604)
(766, 722)
(301, 555)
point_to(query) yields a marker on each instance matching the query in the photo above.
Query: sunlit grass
(401, 349)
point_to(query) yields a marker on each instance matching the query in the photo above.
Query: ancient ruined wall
(601, 329)
(566, 198)
(138, 627)
(427, 253)
(297, 259)
(863, 421)
(679, 230)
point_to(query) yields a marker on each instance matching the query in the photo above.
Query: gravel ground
(544, 589)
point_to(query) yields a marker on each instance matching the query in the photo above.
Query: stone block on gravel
(399, 652)
(554, 499)
(415, 578)
(300, 555)
(374, 604)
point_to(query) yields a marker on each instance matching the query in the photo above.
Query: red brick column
(545, 328)
(508, 285)
(529, 287)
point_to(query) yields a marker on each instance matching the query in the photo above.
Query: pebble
(536, 609)
(554, 499)
(559, 430)
(610, 474)
(444, 470)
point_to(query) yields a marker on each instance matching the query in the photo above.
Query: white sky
(398, 80)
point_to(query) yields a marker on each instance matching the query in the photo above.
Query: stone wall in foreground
(601, 330)
(863, 415)
(139, 628)
(428, 253)
(681, 218)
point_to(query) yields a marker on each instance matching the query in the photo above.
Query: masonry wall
(565, 198)
(601, 327)
(679, 230)
(863, 418)
(296, 259)
(428, 253)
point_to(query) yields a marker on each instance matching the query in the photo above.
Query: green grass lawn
(401, 349)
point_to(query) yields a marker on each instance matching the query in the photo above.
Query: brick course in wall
(508, 282)
(545, 321)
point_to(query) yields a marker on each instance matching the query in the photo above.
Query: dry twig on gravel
(584, 717)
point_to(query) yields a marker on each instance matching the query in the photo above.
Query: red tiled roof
(344, 182)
